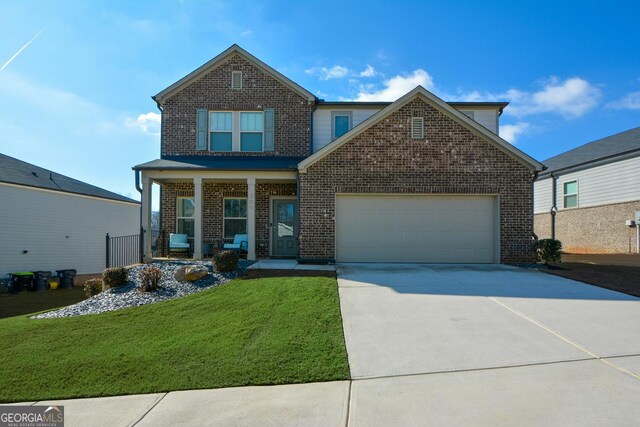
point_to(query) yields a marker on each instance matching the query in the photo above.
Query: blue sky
(77, 98)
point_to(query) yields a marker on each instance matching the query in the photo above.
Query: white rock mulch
(129, 296)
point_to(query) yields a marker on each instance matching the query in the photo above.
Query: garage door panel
(416, 228)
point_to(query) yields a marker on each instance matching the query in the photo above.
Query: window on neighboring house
(235, 217)
(570, 194)
(417, 127)
(251, 131)
(221, 131)
(184, 216)
(340, 123)
(468, 113)
(236, 80)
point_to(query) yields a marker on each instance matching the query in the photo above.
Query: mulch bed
(257, 274)
(618, 278)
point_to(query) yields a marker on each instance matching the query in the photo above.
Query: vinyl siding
(322, 123)
(487, 118)
(39, 221)
(542, 196)
(615, 182)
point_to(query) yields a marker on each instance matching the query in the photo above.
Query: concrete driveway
(487, 345)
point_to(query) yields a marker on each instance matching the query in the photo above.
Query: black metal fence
(124, 250)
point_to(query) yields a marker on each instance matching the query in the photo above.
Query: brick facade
(599, 229)
(213, 92)
(213, 194)
(384, 159)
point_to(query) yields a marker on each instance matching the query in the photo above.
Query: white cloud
(570, 98)
(325, 73)
(246, 33)
(368, 72)
(631, 101)
(511, 132)
(396, 86)
(148, 123)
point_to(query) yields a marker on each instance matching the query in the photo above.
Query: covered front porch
(212, 207)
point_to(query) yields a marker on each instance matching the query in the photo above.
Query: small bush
(149, 279)
(92, 287)
(114, 277)
(548, 250)
(226, 261)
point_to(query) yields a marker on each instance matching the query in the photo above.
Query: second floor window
(570, 194)
(221, 131)
(236, 131)
(251, 131)
(340, 123)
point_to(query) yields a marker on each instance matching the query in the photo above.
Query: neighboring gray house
(594, 190)
(52, 222)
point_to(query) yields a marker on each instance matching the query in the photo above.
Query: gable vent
(417, 127)
(236, 80)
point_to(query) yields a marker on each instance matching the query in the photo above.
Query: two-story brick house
(246, 150)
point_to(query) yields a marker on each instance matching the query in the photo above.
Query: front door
(283, 228)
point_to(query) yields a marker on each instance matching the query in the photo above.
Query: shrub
(226, 261)
(548, 250)
(92, 287)
(114, 277)
(149, 279)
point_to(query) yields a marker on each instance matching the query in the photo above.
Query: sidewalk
(314, 404)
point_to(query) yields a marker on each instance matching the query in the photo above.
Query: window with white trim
(236, 131)
(417, 127)
(570, 194)
(184, 216)
(251, 131)
(234, 219)
(341, 123)
(236, 80)
(221, 130)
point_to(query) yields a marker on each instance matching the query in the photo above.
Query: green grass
(247, 332)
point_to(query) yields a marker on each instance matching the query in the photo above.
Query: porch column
(251, 217)
(145, 217)
(197, 218)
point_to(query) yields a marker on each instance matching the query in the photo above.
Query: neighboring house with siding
(52, 222)
(246, 150)
(592, 190)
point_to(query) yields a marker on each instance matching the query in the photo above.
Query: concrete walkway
(288, 264)
(440, 346)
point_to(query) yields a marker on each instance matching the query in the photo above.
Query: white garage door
(447, 229)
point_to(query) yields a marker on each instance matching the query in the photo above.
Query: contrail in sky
(21, 49)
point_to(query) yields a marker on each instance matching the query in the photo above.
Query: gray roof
(500, 105)
(222, 163)
(609, 148)
(14, 171)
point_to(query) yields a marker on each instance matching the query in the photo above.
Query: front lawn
(248, 332)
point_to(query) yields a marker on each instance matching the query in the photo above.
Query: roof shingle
(14, 171)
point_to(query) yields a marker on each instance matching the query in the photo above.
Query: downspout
(313, 110)
(533, 179)
(298, 213)
(554, 206)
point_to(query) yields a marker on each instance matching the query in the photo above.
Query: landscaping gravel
(129, 296)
